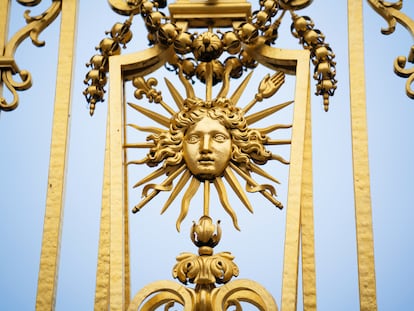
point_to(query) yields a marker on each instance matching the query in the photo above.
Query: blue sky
(25, 139)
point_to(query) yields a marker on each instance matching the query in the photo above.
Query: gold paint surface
(9, 69)
(292, 235)
(307, 223)
(207, 47)
(103, 265)
(362, 192)
(4, 23)
(112, 278)
(207, 148)
(204, 270)
(390, 11)
(222, 14)
(47, 281)
(4, 29)
(291, 255)
(202, 136)
(117, 218)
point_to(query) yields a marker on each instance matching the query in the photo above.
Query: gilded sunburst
(208, 142)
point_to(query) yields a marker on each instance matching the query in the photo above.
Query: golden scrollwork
(29, 2)
(400, 70)
(202, 146)
(205, 270)
(8, 66)
(243, 291)
(392, 14)
(162, 293)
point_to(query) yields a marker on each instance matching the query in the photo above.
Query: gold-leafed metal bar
(102, 269)
(307, 223)
(47, 281)
(362, 192)
(127, 278)
(117, 288)
(4, 30)
(295, 62)
(121, 67)
(292, 237)
(4, 22)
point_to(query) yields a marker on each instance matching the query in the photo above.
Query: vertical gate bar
(102, 269)
(49, 260)
(4, 23)
(117, 215)
(127, 278)
(362, 192)
(4, 31)
(307, 223)
(291, 251)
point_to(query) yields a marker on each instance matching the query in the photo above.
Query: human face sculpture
(207, 148)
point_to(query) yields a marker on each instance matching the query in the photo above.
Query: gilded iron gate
(191, 40)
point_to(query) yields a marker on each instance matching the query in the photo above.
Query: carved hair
(247, 144)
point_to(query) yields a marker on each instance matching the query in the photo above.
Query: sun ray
(167, 107)
(273, 142)
(151, 114)
(159, 172)
(139, 145)
(185, 204)
(226, 81)
(156, 189)
(237, 188)
(256, 169)
(149, 129)
(265, 113)
(138, 162)
(221, 190)
(179, 101)
(187, 85)
(240, 89)
(280, 159)
(180, 185)
(260, 188)
(274, 127)
(209, 81)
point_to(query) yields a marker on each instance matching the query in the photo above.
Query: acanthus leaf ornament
(205, 270)
(8, 66)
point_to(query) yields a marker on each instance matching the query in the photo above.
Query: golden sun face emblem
(207, 141)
